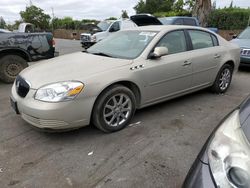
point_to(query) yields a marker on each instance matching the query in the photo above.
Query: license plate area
(13, 104)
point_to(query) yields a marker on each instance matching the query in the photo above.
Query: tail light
(53, 42)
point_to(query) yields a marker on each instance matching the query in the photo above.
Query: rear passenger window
(200, 39)
(175, 42)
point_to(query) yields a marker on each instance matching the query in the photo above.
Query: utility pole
(53, 16)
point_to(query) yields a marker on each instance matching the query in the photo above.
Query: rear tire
(223, 79)
(114, 109)
(10, 67)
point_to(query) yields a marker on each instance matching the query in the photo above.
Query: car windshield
(123, 44)
(245, 34)
(166, 21)
(104, 25)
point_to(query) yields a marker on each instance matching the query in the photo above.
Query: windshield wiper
(102, 54)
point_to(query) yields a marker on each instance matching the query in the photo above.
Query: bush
(229, 18)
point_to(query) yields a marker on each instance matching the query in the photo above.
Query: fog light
(239, 177)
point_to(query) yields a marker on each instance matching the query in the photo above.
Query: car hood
(243, 43)
(76, 66)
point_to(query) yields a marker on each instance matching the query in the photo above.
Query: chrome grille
(245, 52)
(85, 38)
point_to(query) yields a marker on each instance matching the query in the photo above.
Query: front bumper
(62, 115)
(245, 61)
(86, 45)
(199, 176)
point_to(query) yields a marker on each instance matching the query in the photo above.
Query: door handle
(217, 56)
(186, 63)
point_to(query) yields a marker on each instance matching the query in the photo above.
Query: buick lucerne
(129, 70)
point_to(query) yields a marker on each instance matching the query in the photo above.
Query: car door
(205, 57)
(171, 74)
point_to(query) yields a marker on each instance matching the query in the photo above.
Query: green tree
(178, 5)
(36, 16)
(140, 7)
(231, 4)
(124, 14)
(190, 4)
(2, 23)
(67, 23)
(153, 6)
(111, 18)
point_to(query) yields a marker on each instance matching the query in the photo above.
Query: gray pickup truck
(17, 49)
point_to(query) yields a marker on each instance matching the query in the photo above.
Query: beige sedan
(129, 70)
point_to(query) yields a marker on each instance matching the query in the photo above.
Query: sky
(84, 9)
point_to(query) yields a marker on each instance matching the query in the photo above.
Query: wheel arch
(129, 84)
(18, 52)
(231, 63)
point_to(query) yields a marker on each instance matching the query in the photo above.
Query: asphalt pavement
(155, 150)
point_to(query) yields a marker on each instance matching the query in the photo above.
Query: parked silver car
(243, 40)
(129, 70)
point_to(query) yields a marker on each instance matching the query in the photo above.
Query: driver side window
(115, 27)
(175, 41)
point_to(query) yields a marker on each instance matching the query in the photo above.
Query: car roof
(166, 28)
(180, 17)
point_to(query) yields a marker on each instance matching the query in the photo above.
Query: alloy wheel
(117, 109)
(225, 79)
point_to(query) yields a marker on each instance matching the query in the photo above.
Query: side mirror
(159, 52)
(235, 36)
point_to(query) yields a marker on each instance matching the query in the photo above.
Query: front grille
(85, 38)
(245, 52)
(22, 87)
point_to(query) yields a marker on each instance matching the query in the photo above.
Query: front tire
(10, 67)
(114, 109)
(223, 79)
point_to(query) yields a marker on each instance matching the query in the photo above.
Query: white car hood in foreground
(76, 66)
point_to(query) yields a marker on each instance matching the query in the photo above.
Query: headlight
(229, 154)
(93, 38)
(62, 91)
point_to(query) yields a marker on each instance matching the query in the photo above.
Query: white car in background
(108, 27)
